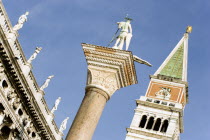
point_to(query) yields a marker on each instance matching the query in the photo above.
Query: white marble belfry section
(151, 110)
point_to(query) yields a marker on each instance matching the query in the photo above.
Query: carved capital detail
(102, 79)
(109, 69)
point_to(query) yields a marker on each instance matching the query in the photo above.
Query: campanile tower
(159, 114)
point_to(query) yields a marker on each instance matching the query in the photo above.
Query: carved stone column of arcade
(108, 70)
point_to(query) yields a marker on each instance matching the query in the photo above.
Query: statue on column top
(56, 105)
(125, 34)
(46, 83)
(38, 49)
(22, 19)
(63, 125)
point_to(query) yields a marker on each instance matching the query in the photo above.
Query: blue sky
(60, 26)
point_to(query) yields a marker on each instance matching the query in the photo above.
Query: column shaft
(88, 115)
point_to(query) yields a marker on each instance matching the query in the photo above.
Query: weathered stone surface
(88, 115)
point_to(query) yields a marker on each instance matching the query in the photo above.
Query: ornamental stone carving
(2, 115)
(27, 123)
(16, 103)
(1, 68)
(118, 63)
(26, 69)
(11, 97)
(9, 92)
(2, 23)
(106, 80)
(2, 19)
(163, 93)
(16, 135)
(12, 36)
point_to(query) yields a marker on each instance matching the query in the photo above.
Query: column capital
(99, 90)
(109, 69)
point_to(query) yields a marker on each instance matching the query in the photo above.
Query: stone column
(88, 115)
(108, 70)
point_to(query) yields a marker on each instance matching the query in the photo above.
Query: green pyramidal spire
(175, 64)
(174, 67)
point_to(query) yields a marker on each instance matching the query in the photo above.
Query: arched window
(28, 131)
(5, 131)
(157, 124)
(150, 123)
(164, 126)
(25, 121)
(33, 134)
(1, 107)
(4, 84)
(143, 121)
(20, 112)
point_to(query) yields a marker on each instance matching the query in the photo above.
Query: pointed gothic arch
(4, 84)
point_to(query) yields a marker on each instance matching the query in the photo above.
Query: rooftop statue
(56, 105)
(63, 125)
(163, 93)
(38, 49)
(46, 83)
(22, 19)
(125, 34)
